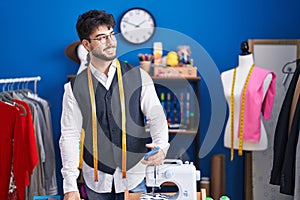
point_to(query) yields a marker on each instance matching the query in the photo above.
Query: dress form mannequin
(245, 62)
(82, 55)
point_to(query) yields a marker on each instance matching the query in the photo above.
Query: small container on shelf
(146, 65)
(145, 61)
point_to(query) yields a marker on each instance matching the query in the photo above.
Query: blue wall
(35, 33)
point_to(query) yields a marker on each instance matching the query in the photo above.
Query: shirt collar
(100, 75)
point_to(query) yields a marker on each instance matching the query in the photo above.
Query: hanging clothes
(286, 131)
(43, 180)
(7, 124)
(27, 153)
(36, 187)
(297, 167)
(287, 183)
(18, 148)
(26, 146)
(297, 172)
(45, 122)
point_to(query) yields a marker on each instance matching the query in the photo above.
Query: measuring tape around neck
(94, 120)
(242, 113)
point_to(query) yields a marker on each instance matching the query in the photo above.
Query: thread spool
(205, 184)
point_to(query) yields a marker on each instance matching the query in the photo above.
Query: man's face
(103, 43)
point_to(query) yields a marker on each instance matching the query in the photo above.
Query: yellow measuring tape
(232, 115)
(242, 112)
(81, 148)
(123, 111)
(94, 123)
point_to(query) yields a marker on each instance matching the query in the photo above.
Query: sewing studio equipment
(184, 175)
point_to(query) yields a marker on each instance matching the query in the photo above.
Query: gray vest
(108, 111)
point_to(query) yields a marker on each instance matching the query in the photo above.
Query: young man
(107, 104)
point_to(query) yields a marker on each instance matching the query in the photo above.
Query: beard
(107, 54)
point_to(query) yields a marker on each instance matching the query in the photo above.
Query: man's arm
(71, 123)
(152, 109)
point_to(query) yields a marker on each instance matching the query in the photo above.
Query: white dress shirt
(71, 125)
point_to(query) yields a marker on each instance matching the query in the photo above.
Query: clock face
(137, 25)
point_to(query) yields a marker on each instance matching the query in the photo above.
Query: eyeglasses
(103, 38)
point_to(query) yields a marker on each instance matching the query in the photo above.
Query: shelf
(176, 86)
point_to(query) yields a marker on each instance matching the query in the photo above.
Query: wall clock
(137, 25)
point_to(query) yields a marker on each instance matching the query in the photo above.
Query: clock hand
(140, 23)
(130, 23)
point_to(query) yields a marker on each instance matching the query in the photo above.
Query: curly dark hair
(90, 20)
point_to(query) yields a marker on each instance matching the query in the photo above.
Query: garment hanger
(23, 108)
(18, 93)
(287, 70)
(23, 89)
(9, 94)
(6, 96)
(26, 88)
(8, 99)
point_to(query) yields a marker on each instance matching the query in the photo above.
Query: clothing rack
(24, 79)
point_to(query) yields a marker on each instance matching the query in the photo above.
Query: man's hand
(74, 195)
(155, 159)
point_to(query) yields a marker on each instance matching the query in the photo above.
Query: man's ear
(86, 44)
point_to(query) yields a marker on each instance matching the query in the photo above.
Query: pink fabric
(254, 104)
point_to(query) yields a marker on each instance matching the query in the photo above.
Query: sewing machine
(183, 175)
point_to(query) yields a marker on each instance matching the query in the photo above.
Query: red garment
(13, 195)
(25, 149)
(17, 146)
(8, 116)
